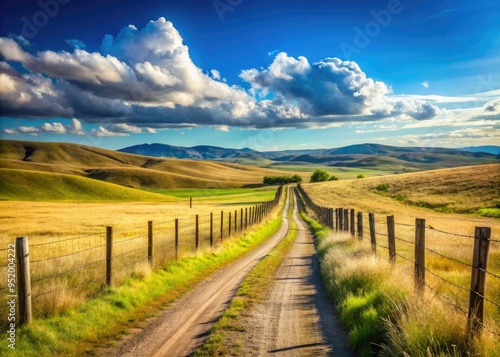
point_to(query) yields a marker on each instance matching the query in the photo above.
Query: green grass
(378, 308)
(215, 192)
(254, 289)
(489, 212)
(79, 330)
(20, 185)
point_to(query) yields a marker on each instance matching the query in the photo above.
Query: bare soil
(297, 318)
(185, 324)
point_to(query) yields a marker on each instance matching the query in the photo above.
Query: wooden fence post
(150, 242)
(353, 230)
(211, 229)
(109, 256)
(235, 221)
(23, 280)
(331, 218)
(391, 237)
(478, 281)
(190, 202)
(229, 231)
(341, 218)
(373, 236)
(346, 219)
(197, 233)
(176, 239)
(246, 217)
(241, 220)
(221, 225)
(420, 255)
(336, 219)
(360, 225)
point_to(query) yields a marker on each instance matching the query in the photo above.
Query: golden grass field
(67, 239)
(451, 235)
(127, 169)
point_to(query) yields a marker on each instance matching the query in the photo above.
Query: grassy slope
(22, 185)
(462, 190)
(79, 330)
(126, 169)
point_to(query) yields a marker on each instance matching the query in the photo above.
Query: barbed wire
(67, 271)
(446, 280)
(449, 233)
(448, 299)
(447, 257)
(404, 240)
(489, 273)
(69, 254)
(67, 240)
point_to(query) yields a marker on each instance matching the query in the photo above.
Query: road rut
(184, 325)
(297, 318)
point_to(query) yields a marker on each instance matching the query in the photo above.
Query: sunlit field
(68, 240)
(449, 236)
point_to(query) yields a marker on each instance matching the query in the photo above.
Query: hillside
(371, 156)
(22, 185)
(460, 190)
(126, 169)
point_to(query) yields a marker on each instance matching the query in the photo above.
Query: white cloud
(52, 128)
(102, 131)
(425, 84)
(144, 78)
(77, 44)
(215, 74)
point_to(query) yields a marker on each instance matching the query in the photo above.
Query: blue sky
(241, 73)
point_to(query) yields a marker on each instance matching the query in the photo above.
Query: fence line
(479, 271)
(87, 264)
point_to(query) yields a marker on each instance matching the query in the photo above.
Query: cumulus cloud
(329, 87)
(145, 78)
(77, 44)
(53, 128)
(425, 84)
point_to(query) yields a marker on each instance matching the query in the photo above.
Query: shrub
(383, 187)
(333, 178)
(281, 180)
(360, 176)
(320, 175)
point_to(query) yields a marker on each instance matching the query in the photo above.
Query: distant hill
(490, 149)
(28, 158)
(21, 185)
(374, 156)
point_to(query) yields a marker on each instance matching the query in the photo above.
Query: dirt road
(297, 319)
(184, 325)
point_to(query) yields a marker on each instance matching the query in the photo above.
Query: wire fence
(450, 273)
(67, 271)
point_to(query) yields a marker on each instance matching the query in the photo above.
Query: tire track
(185, 324)
(297, 318)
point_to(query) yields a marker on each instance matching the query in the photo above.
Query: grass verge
(379, 309)
(253, 290)
(78, 331)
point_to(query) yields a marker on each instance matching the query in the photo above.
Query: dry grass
(128, 169)
(451, 236)
(67, 240)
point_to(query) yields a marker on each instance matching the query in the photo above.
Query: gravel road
(297, 318)
(183, 326)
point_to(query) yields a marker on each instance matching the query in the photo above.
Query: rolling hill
(21, 185)
(461, 190)
(124, 169)
(371, 156)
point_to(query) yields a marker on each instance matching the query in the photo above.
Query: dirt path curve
(184, 325)
(297, 319)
